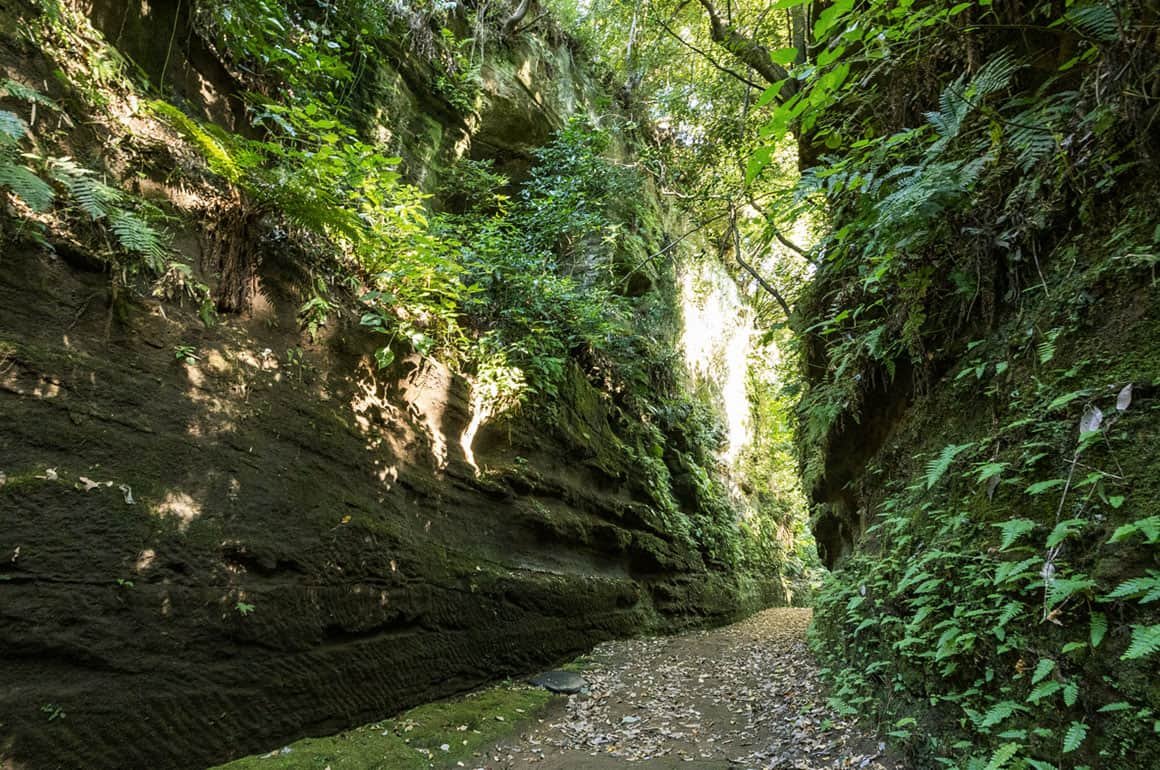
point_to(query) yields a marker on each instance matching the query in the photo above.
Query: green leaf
(1146, 588)
(1065, 399)
(384, 357)
(1044, 690)
(1117, 706)
(1040, 487)
(12, 128)
(829, 18)
(1074, 737)
(784, 56)
(1145, 641)
(1099, 627)
(1062, 531)
(1002, 756)
(1044, 667)
(769, 94)
(989, 470)
(26, 185)
(1149, 528)
(1013, 530)
(999, 712)
(1061, 589)
(939, 465)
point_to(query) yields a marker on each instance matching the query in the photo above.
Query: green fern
(1094, 20)
(25, 185)
(137, 236)
(936, 468)
(1146, 588)
(1074, 737)
(219, 157)
(1013, 530)
(93, 197)
(25, 94)
(1099, 628)
(960, 98)
(995, 75)
(1145, 641)
(12, 128)
(1002, 756)
(1148, 527)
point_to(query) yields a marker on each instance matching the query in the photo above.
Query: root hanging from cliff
(231, 233)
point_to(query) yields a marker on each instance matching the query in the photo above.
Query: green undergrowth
(980, 360)
(437, 735)
(1001, 609)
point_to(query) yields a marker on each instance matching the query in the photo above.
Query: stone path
(741, 697)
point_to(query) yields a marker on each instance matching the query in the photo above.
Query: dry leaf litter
(745, 696)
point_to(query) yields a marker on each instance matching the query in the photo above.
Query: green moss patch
(436, 735)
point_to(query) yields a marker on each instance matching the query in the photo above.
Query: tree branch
(709, 58)
(749, 268)
(513, 21)
(748, 51)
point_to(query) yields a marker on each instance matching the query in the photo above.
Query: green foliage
(941, 464)
(1145, 642)
(39, 181)
(943, 612)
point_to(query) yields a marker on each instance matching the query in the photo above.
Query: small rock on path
(742, 697)
(568, 682)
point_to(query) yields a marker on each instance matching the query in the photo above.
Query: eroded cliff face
(201, 557)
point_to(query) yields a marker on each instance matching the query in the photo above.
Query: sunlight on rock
(194, 375)
(426, 391)
(145, 560)
(180, 506)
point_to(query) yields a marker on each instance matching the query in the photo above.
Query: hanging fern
(221, 159)
(12, 128)
(1094, 20)
(941, 464)
(137, 236)
(1145, 642)
(994, 76)
(25, 185)
(15, 177)
(93, 197)
(1147, 589)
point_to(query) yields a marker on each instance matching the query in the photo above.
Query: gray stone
(560, 681)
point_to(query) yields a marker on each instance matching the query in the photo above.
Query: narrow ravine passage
(743, 696)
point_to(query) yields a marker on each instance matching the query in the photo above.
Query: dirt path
(745, 696)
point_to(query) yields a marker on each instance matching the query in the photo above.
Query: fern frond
(1145, 641)
(1002, 756)
(936, 468)
(12, 128)
(1146, 588)
(137, 236)
(92, 196)
(994, 76)
(1094, 20)
(219, 157)
(26, 94)
(25, 185)
(1074, 737)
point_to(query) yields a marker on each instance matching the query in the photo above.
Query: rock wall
(203, 558)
